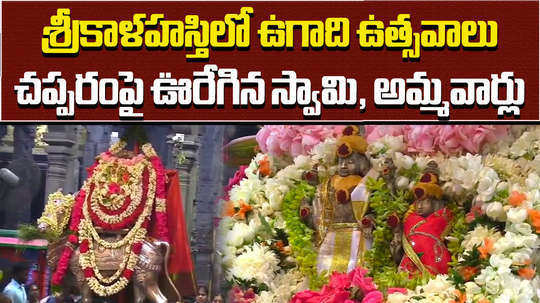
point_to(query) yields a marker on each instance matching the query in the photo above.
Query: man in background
(33, 293)
(15, 290)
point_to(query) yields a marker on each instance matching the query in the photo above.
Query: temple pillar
(61, 140)
(17, 200)
(188, 170)
(208, 189)
(97, 141)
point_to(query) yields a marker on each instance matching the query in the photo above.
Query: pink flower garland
(294, 140)
(448, 139)
(341, 289)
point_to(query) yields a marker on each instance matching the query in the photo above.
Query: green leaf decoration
(300, 235)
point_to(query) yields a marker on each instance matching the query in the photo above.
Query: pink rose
(339, 288)
(306, 296)
(375, 132)
(420, 139)
(448, 139)
(338, 297)
(373, 297)
(358, 271)
(294, 140)
(361, 281)
(481, 135)
(339, 281)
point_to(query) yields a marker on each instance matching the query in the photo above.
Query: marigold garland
(57, 204)
(119, 193)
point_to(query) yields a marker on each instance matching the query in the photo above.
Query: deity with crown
(341, 205)
(419, 242)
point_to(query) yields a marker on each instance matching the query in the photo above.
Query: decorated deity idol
(424, 228)
(340, 206)
(118, 229)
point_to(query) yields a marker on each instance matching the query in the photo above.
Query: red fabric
(180, 261)
(421, 233)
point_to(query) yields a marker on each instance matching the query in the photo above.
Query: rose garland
(119, 193)
(300, 235)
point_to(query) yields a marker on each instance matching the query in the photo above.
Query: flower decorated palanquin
(123, 192)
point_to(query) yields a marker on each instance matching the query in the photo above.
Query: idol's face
(355, 164)
(425, 207)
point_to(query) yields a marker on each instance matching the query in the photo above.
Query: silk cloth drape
(181, 266)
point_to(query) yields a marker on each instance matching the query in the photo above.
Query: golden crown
(351, 142)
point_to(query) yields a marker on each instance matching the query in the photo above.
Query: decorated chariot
(118, 230)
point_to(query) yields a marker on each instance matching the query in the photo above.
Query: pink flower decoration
(114, 188)
(339, 297)
(373, 297)
(307, 296)
(359, 280)
(448, 139)
(375, 132)
(294, 140)
(239, 175)
(339, 281)
(338, 289)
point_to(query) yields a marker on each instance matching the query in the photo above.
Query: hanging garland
(388, 209)
(300, 235)
(120, 193)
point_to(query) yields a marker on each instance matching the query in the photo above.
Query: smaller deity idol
(424, 228)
